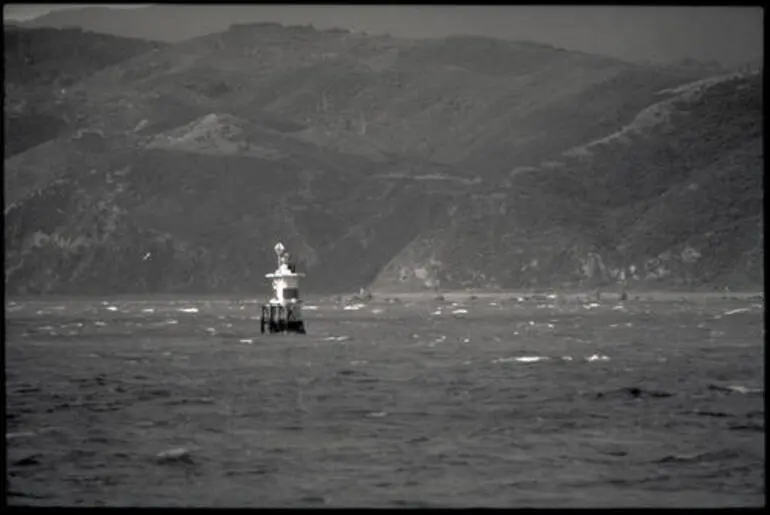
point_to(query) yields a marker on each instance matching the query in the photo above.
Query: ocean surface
(513, 402)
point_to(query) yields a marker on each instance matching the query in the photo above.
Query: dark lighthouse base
(280, 319)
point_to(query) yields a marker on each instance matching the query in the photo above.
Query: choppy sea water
(181, 402)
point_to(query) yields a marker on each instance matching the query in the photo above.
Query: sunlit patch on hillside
(215, 134)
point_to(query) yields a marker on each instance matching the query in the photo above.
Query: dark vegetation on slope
(406, 164)
(39, 64)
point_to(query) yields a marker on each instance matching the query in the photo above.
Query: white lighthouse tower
(283, 312)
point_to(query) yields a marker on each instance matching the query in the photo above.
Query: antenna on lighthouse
(279, 249)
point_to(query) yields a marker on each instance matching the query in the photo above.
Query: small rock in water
(32, 459)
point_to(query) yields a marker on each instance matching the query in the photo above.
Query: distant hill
(674, 198)
(151, 23)
(40, 64)
(174, 23)
(454, 163)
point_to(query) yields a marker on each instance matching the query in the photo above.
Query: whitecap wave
(737, 389)
(521, 359)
